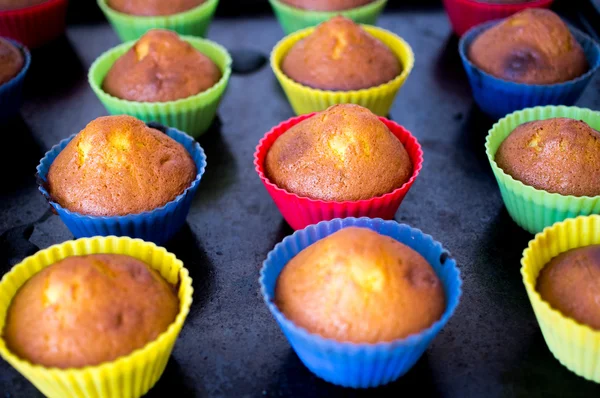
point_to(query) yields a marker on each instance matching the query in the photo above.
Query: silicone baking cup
(465, 14)
(575, 345)
(128, 376)
(378, 99)
(292, 19)
(37, 25)
(300, 211)
(193, 115)
(11, 92)
(360, 365)
(534, 209)
(158, 225)
(498, 97)
(194, 22)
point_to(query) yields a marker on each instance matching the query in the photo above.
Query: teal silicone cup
(534, 209)
(194, 22)
(360, 365)
(192, 115)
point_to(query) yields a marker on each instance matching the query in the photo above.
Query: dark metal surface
(230, 344)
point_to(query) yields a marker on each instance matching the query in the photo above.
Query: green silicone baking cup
(292, 19)
(534, 209)
(192, 115)
(194, 22)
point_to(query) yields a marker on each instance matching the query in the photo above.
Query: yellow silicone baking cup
(575, 345)
(378, 99)
(129, 376)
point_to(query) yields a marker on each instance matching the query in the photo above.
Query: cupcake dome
(160, 67)
(359, 286)
(326, 5)
(153, 7)
(533, 46)
(343, 154)
(559, 155)
(569, 283)
(17, 4)
(86, 310)
(340, 55)
(116, 166)
(11, 61)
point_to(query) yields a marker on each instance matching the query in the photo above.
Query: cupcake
(360, 299)
(14, 63)
(33, 22)
(160, 67)
(561, 272)
(6, 5)
(531, 58)
(87, 310)
(154, 7)
(120, 176)
(361, 287)
(569, 283)
(295, 15)
(546, 163)
(465, 14)
(177, 81)
(341, 62)
(558, 155)
(94, 317)
(340, 56)
(344, 160)
(133, 18)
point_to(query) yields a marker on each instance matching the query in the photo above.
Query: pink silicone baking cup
(300, 211)
(34, 26)
(464, 14)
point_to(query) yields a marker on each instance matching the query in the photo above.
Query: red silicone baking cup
(36, 25)
(300, 211)
(464, 14)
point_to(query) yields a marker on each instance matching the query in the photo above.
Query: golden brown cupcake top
(556, 155)
(86, 310)
(6, 5)
(11, 61)
(117, 165)
(343, 153)
(362, 287)
(327, 5)
(570, 283)
(161, 67)
(153, 7)
(340, 55)
(533, 46)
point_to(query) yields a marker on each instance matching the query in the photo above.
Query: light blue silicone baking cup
(360, 365)
(497, 97)
(157, 226)
(11, 92)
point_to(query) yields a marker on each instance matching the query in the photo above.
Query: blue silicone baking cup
(11, 92)
(157, 226)
(498, 97)
(360, 365)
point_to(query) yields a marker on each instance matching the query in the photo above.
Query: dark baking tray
(230, 345)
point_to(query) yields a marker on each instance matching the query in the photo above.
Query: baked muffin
(153, 7)
(327, 5)
(161, 67)
(11, 61)
(116, 166)
(558, 155)
(570, 283)
(340, 55)
(533, 46)
(361, 287)
(6, 5)
(344, 153)
(86, 310)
